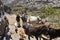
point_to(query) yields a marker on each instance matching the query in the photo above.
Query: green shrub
(47, 10)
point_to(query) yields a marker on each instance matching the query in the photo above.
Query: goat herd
(32, 27)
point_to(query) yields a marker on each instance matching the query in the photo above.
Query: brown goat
(21, 32)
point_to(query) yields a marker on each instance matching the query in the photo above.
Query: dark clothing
(18, 18)
(16, 30)
(18, 21)
(24, 17)
(7, 22)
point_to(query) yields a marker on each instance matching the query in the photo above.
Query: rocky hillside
(50, 13)
(33, 3)
(38, 3)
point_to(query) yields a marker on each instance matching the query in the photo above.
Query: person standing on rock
(18, 22)
(18, 19)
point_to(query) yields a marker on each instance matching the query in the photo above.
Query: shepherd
(18, 20)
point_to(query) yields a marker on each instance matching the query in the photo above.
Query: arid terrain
(15, 36)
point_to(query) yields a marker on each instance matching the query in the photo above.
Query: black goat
(37, 32)
(53, 33)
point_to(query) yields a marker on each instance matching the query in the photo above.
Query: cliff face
(4, 1)
(38, 3)
(34, 3)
